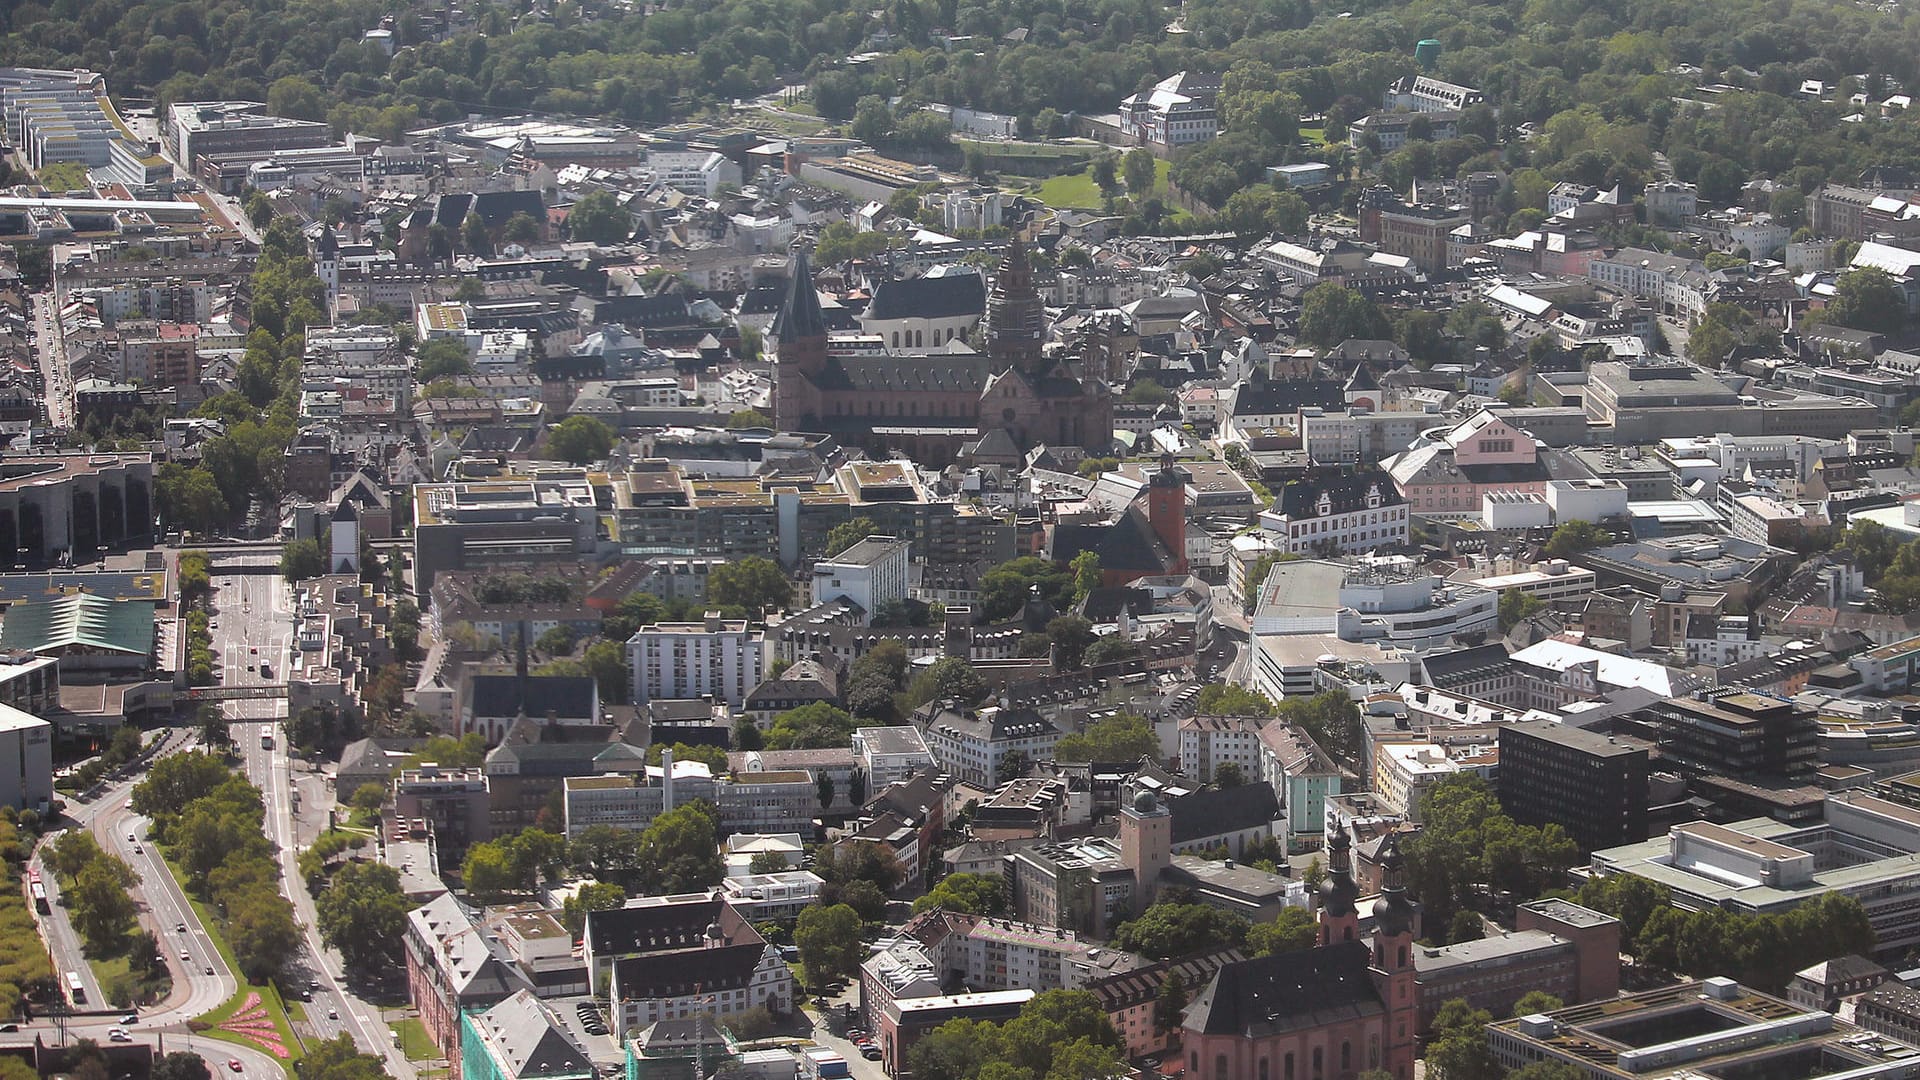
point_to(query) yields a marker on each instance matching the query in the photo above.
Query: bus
(40, 898)
(266, 742)
(76, 993)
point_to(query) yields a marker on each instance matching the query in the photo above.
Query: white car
(118, 1035)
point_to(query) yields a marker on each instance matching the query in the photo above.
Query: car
(333, 1014)
(870, 1052)
(118, 1035)
(186, 958)
(138, 850)
(209, 969)
(130, 1018)
(255, 651)
(234, 1064)
(180, 928)
(131, 838)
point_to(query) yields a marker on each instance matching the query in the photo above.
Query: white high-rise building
(721, 657)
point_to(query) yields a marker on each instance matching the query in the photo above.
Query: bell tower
(799, 341)
(1395, 922)
(1339, 917)
(1016, 321)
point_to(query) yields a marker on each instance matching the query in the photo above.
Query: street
(253, 625)
(51, 354)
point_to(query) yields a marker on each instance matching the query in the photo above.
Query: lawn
(65, 176)
(1314, 135)
(109, 970)
(265, 998)
(414, 1040)
(1078, 191)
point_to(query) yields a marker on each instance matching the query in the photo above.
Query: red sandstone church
(931, 403)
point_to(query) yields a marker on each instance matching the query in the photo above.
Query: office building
(1861, 846)
(1710, 1027)
(1592, 785)
(1746, 735)
(678, 957)
(871, 573)
(718, 658)
(197, 128)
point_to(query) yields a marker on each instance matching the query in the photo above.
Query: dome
(1145, 803)
(1393, 913)
(1338, 894)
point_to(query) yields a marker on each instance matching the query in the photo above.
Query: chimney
(666, 779)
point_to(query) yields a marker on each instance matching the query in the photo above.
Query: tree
(1006, 588)
(848, 533)
(599, 896)
(749, 418)
(190, 497)
(1867, 299)
(371, 797)
(301, 559)
(1537, 1001)
(769, 862)
(1292, 930)
(1069, 636)
(1331, 313)
(337, 1059)
(103, 911)
(1458, 1050)
(949, 677)
(1125, 737)
(599, 219)
(363, 914)
(1226, 699)
(581, 440)
(713, 757)
(473, 235)
(1466, 926)
(1108, 650)
(557, 641)
(1573, 537)
(755, 583)
(823, 789)
(521, 229)
(977, 894)
(1517, 607)
(1228, 775)
(606, 661)
(1170, 1007)
(1167, 930)
(829, 942)
(1086, 575)
(443, 358)
(179, 1065)
(1105, 170)
(1138, 167)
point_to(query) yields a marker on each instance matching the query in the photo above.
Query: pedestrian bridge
(237, 693)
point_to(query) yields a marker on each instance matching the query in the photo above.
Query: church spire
(800, 316)
(1016, 321)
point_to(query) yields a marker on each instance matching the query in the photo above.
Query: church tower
(1395, 924)
(1339, 917)
(799, 343)
(1146, 846)
(1016, 321)
(326, 266)
(1167, 510)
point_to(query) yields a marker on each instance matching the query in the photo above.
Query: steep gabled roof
(946, 297)
(1286, 992)
(800, 317)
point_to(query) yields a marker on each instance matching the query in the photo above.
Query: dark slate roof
(1511, 473)
(1445, 669)
(566, 696)
(1273, 995)
(1262, 396)
(1345, 493)
(1105, 603)
(626, 931)
(909, 374)
(451, 209)
(495, 207)
(765, 299)
(800, 316)
(729, 967)
(929, 298)
(1128, 543)
(1214, 811)
(641, 312)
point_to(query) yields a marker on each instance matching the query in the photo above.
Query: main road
(253, 640)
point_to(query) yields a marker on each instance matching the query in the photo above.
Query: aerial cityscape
(777, 540)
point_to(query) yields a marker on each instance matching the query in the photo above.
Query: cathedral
(931, 403)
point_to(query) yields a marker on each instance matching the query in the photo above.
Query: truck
(819, 1063)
